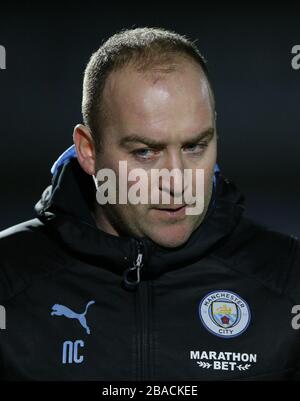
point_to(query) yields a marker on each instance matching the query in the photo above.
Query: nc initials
(70, 352)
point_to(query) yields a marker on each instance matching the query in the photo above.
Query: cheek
(209, 164)
(134, 215)
(202, 183)
(109, 157)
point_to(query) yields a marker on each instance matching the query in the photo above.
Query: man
(146, 291)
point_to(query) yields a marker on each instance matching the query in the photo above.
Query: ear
(85, 148)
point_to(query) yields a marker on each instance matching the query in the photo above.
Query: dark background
(249, 56)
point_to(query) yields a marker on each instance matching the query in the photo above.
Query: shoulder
(264, 254)
(27, 252)
(22, 230)
(21, 239)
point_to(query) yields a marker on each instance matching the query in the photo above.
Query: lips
(171, 209)
(170, 212)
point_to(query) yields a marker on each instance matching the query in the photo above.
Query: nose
(173, 182)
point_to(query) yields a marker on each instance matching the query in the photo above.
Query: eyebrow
(134, 138)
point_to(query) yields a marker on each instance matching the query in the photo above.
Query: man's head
(147, 101)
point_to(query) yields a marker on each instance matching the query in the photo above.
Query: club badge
(224, 313)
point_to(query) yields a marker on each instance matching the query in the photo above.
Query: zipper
(144, 328)
(132, 281)
(132, 275)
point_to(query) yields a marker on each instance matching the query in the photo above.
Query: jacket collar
(65, 208)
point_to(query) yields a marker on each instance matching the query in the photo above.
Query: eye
(144, 153)
(195, 148)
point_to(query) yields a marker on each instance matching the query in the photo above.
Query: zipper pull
(134, 271)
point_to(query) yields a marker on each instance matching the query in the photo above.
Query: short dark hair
(142, 47)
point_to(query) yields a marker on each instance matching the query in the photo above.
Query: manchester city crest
(224, 313)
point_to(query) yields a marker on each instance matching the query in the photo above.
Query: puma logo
(61, 310)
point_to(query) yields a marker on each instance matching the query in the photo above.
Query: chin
(170, 244)
(171, 237)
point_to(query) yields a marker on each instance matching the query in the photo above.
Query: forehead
(157, 102)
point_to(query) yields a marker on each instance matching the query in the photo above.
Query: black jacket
(82, 304)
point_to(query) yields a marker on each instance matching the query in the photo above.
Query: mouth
(171, 212)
